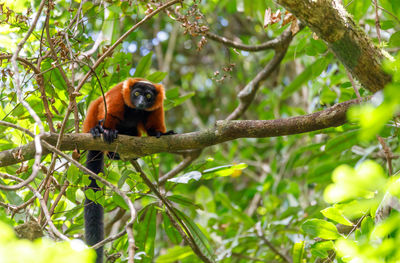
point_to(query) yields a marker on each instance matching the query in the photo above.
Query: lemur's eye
(148, 95)
(136, 93)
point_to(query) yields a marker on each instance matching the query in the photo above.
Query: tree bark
(331, 22)
(133, 147)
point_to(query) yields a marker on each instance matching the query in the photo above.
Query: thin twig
(389, 13)
(128, 227)
(260, 234)
(377, 23)
(353, 83)
(43, 206)
(241, 256)
(58, 198)
(248, 93)
(271, 44)
(180, 167)
(388, 154)
(109, 239)
(23, 60)
(170, 51)
(168, 206)
(125, 35)
(17, 85)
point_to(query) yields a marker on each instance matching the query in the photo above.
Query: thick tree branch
(247, 94)
(347, 41)
(133, 147)
(271, 44)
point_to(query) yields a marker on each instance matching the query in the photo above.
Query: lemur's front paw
(158, 134)
(110, 135)
(97, 130)
(170, 132)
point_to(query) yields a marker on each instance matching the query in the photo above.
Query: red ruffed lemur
(133, 106)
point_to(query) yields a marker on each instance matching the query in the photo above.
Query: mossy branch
(133, 147)
(331, 22)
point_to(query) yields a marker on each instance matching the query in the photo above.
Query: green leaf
(320, 65)
(394, 40)
(170, 230)
(115, 9)
(367, 225)
(86, 6)
(335, 214)
(198, 236)
(174, 100)
(320, 249)
(100, 198)
(122, 179)
(175, 254)
(342, 141)
(297, 82)
(143, 67)
(86, 180)
(71, 194)
(90, 194)
(204, 196)
(387, 24)
(108, 28)
(224, 170)
(320, 228)
(186, 178)
(328, 96)
(45, 250)
(73, 174)
(364, 181)
(172, 93)
(183, 201)
(157, 76)
(223, 198)
(298, 252)
(14, 198)
(146, 234)
(357, 8)
(120, 201)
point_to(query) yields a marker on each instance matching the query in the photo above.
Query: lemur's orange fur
(116, 99)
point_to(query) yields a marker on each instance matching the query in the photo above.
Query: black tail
(94, 226)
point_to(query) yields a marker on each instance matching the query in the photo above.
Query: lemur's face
(143, 95)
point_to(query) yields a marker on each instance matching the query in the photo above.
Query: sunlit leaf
(146, 234)
(320, 228)
(335, 214)
(321, 249)
(172, 233)
(175, 254)
(186, 178)
(120, 201)
(298, 252)
(198, 236)
(183, 201)
(143, 66)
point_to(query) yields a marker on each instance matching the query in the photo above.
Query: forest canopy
(286, 116)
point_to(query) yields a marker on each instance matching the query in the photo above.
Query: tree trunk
(331, 22)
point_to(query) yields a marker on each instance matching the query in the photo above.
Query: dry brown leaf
(270, 18)
(294, 27)
(289, 17)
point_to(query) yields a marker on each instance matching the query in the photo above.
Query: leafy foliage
(313, 197)
(44, 251)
